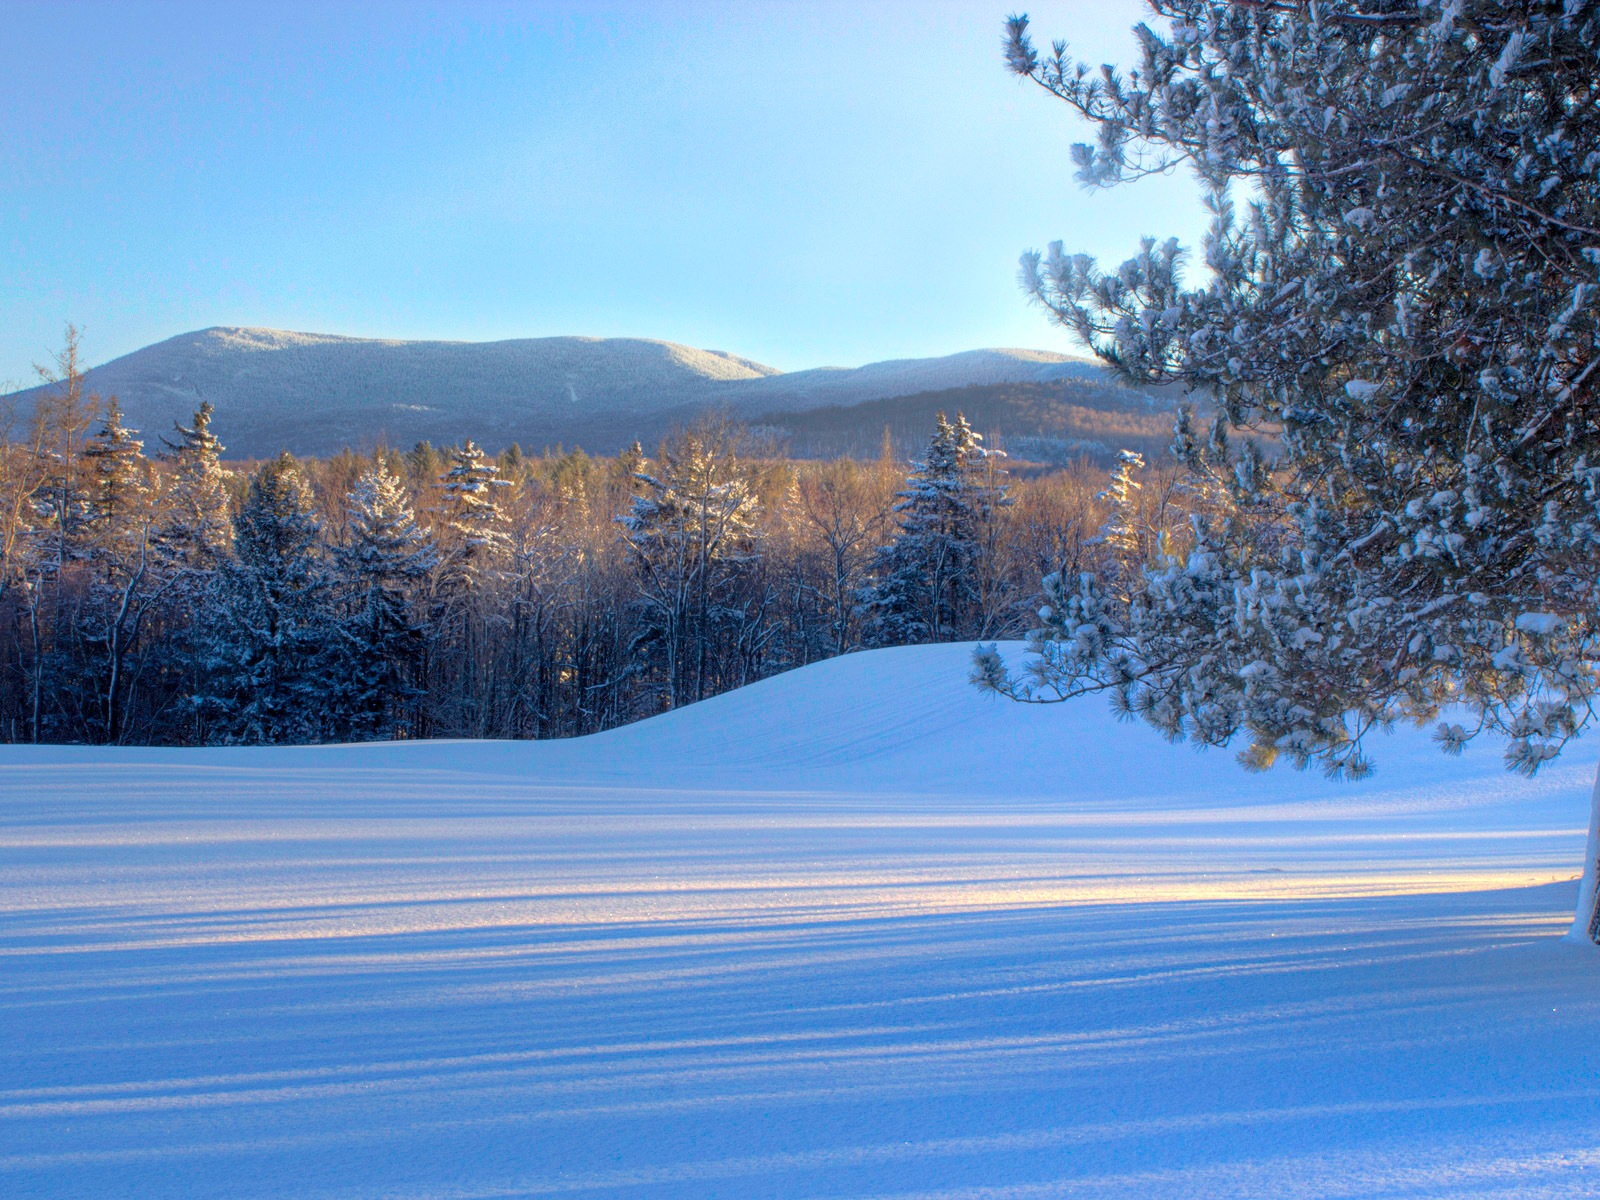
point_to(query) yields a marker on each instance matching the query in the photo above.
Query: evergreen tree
(269, 651)
(193, 533)
(423, 464)
(119, 485)
(927, 584)
(123, 586)
(689, 534)
(188, 541)
(1411, 302)
(472, 529)
(1122, 534)
(379, 569)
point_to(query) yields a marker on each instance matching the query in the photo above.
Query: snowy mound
(316, 393)
(906, 719)
(901, 720)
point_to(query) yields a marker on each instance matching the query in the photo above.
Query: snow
(853, 931)
(1539, 624)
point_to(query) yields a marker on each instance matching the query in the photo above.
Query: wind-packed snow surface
(857, 931)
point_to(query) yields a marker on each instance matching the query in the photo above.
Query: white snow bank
(855, 931)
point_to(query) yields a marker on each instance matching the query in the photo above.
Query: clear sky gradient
(803, 184)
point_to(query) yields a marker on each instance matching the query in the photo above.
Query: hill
(1054, 423)
(856, 930)
(316, 393)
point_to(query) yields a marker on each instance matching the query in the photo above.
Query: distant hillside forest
(1054, 423)
(151, 593)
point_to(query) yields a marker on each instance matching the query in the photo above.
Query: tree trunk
(1586, 922)
(38, 666)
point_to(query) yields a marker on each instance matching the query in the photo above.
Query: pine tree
(927, 584)
(472, 525)
(1121, 533)
(194, 533)
(269, 647)
(1411, 303)
(123, 587)
(119, 484)
(379, 568)
(189, 540)
(689, 534)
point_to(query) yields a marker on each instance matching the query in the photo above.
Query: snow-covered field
(857, 931)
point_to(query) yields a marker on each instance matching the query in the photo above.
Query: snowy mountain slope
(315, 393)
(820, 386)
(853, 931)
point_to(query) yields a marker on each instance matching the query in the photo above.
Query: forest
(154, 592)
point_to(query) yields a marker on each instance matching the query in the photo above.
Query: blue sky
(803, 184)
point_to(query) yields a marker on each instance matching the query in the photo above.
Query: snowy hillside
(855, 931)
(798, 390)
(315, 393)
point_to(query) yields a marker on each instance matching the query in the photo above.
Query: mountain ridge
(314, 393)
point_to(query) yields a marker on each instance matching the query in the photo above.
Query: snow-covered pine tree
(194, 532)
(119, 484)
(927, 584)
(190, 538)
(1411, 301)
(469, 523)
(1122, 530)
(269, 649)
(472, 526)
(689, 532)
(1120, 534)
(123, 586)
(379, 568)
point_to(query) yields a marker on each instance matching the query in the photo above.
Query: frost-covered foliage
(1403, 286)
(933, 582)
(119, 487)
(690, 532)
(194, 529)
(380, 569)
(473, 527)
(268, 647)
(1122, 531)
(731, 568)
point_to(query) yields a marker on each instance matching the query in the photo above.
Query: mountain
(799, 391)
(1053, 423)
(315, 393)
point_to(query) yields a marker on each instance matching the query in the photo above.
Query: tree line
(153, 595)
